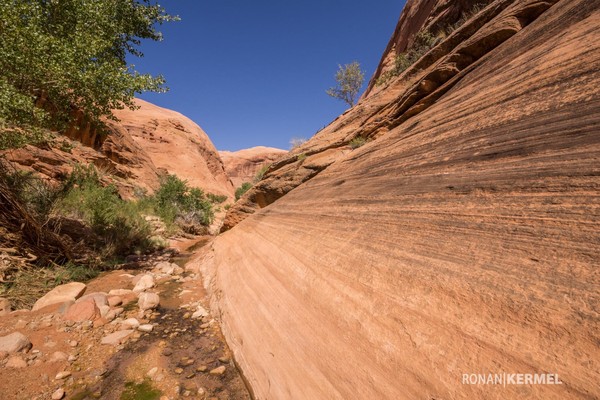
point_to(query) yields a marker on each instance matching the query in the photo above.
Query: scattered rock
(178, 370)
(114, 301)
(130, 323)
(167, 352)
(150, 374)
(59, 394)
(200, 312)
(218, 371)
(14, 342)
(62, 375)
(224, 360)
(116, 338)
(146, 328)
(120, 292)
(60, 294)
(73, 343)
(58, 356)
(83, 311)
(147, 301)
(16, 362)
(202, 368)
(144, 283)
(4, 306)
(99, 298)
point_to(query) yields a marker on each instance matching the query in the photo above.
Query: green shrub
(261, 172)
(301, 157)
(423, 42)
(216, 198)
(239, 192)
(357, 142)
(176, 200)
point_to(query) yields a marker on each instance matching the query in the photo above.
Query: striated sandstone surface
(243, 165)
(464, 238)
(177, 145)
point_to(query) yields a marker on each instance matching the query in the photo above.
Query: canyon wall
(134, 152)
(462, 238)
(243, 165)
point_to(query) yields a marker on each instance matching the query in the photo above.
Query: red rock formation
(243, 165)
(177, 145)
(135, 152)
(462, 239)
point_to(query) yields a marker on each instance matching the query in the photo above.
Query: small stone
(167, 352)
(100, 298)
(144, 283)
(178, 370)
(187, 393)
(58, 356)
(73, 343)
(16, 362)
(150, 374)
(224, 360)
(114, 301)
(14, 343)
(130, 323)
(116, 338)
(72, 358)
(83, 311)
(218, 371)
(190, 376)
(205, 326)
(62, 375)
(146, 328)
(202, 368)
(120, 292)
(200, 312)
(148, 301)
(59, 394)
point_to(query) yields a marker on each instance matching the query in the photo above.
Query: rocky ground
(128, 334)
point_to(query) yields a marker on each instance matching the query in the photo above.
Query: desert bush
(260, 173)
(357, 142)
(239, 192)
(296, 142)
(423, 42)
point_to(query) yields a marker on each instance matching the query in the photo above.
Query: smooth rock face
(177, 145)
(60, 294)
(14, 342)
(462, 239)
(243, 165)
(99, 298)
(148, 301)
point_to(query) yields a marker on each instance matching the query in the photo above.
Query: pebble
(73, 343)
(202, 368)
(146, 328)
(178, 370)
(59, 394)
(16, 362)
(62, 375)
(218, 371)
(148, 301)
(14, 343)
(224, 360)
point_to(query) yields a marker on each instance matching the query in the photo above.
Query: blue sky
(255, 72)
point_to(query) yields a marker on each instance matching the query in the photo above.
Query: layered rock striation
(462, 239)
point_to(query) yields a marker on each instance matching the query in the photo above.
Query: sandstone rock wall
(464, 239)
(243, 165)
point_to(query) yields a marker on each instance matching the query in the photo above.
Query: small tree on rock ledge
(349, 80)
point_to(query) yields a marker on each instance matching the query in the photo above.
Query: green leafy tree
(349, 80)
(59, 56)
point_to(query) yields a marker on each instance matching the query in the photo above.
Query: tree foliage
(349, 80)
(66, 55)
